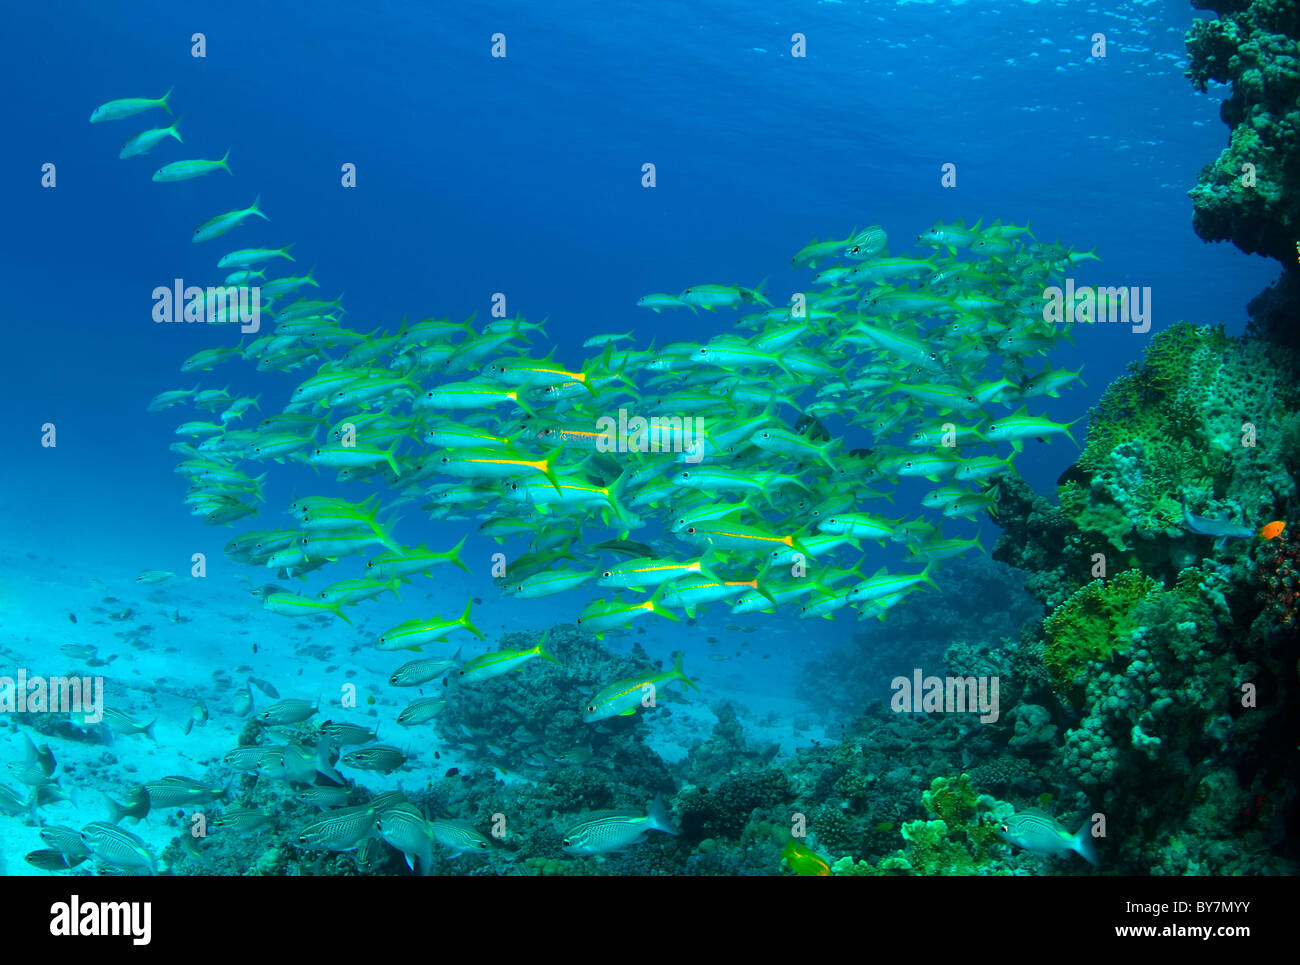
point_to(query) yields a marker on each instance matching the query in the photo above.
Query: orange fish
(1273, 529)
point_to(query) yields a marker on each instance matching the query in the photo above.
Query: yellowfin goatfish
(127, 107)
(288, 604)
(146, 141)
(413, 634)
(184, 170)
(215, 227)
(622, 699)
(490, 665)
(247, 257)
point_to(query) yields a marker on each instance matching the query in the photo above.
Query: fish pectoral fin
(628, 713)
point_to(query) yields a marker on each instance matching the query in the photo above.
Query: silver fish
(381, 757)
(169, 792)
(609, 831)
(289, 711)
(421, 711)
(421, 671)
(240, 819)
(52, 860)
(325, 797)
(341, 829)
(64, 840)
(343, 734)
(1040, 833)
(120, 848)
(459, 836)
(406, 829)
(245, 758)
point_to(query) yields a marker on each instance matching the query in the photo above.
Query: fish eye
(1004, 829)
(690, 529)
(970, 398)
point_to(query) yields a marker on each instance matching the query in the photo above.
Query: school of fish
(716, 454)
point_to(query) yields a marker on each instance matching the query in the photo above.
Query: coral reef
(1092, 625)
(1205, 423)
(1251, 194)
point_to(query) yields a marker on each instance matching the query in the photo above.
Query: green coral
(953, 801)
(957, 840)
(1093, 624)
(1204, 421)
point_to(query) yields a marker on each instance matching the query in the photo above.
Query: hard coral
(1092, 625)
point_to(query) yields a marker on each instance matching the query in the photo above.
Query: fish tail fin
(464, 621)
(663, 611)
(224, 158)
(258, 211)
(625, 518)
(758, 294)
(393, 584)
(824, 452)
(1083, 845)
(599, 364)
(659, 817)
(389, 457)
(376, 527)
(523, 404)
(767, 594)
(147, 730)
(453, 554)
(162, 101)
(926, 577)
(541, 648)
(337, 609)
(285, 251)
(546, 469)
(680, 674)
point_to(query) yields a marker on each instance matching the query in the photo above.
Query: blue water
(522, 175)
